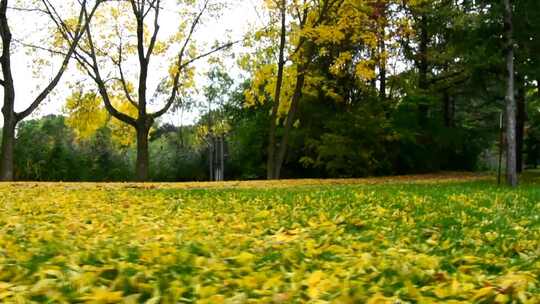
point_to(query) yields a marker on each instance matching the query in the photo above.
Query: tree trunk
(143, 159)
(211, 144)
(8, 134)
(211, 158)
(271, 158)
(8, 109)
(8, 146)
(520, 124)
(291, 116)
(373, 81)
(448, 105)
(222, 156)
(423, 67)
(511, 163)
(382, 65)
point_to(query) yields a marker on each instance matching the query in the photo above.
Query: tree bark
(382, 64)
(511, 163)
(143, 159)
(520, 124)
(211, 144)
(291, 116)
(10, 120)
(448, 106)
(211, 158)
(222, 156)
(271, 158)
(8, 146)
(423, 67)
(373, 81)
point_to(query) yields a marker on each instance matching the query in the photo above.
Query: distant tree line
(329, 142)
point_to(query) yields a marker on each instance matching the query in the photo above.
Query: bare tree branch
(175, 89)
(208, 53)
(24, 9)
(121, 72)
(82, 24)
(156, 30)
(176, 78)
(38, 47)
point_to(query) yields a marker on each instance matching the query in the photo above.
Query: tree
(306, 31)
(216, 93)
(511, 159)
(134, 31)
(271, 162)
(526, 25)
(11, 117)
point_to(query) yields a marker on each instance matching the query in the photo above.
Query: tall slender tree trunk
(271, 158)
(211, 144)
(511, 162)
(216, 160)
(143, 158)
(448, 109)
(380, 16)
(423, 67)
(211, 158)
(8, 109)
(222, 156)
(520, 124)
(382, 65)
(373, 81)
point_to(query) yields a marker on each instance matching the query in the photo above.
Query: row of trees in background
(326, 145)
(48, 149)
(333, 88)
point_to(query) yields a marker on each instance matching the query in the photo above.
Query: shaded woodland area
(329, 88)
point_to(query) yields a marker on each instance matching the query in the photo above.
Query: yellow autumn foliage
(350, 24)
(86, 115)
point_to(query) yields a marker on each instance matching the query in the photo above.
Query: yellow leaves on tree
(263, 86)
(364, 70)
(123, 134)
(86, 115)
(349, 23)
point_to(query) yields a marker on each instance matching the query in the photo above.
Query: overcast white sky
(240, 17)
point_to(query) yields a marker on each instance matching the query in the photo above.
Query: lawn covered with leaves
(434, 239)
